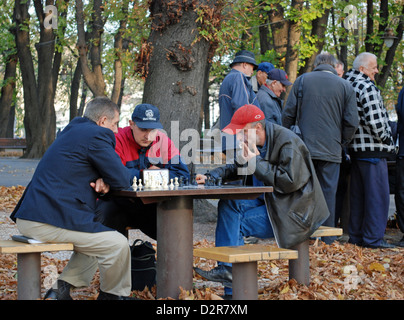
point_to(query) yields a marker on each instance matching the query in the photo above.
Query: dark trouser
(399, 193)
(369, 200)
(123, 213)
(328, 175)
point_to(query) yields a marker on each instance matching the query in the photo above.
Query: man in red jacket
(141, 146)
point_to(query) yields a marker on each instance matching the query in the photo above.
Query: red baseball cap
(244, 115)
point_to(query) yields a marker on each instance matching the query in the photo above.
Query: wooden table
(175, 228)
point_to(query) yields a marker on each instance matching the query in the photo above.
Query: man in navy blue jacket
(59, 202)
(236, 91)
(399, 194)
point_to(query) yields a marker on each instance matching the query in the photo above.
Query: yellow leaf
(285, 290)
(375, 266)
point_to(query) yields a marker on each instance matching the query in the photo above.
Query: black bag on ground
(143, 265)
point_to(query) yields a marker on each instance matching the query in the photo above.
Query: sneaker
(221, 274)
(382, 245)
(400, 243)
(61, 293)
(109, 296)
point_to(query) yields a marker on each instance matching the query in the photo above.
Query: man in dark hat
(141, 146)
(269, 95)
(262, 75)
(236, 91)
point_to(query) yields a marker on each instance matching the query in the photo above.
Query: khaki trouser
(109, 251)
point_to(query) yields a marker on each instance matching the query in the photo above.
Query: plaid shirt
(373, 138)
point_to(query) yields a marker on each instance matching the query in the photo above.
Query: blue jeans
(238, 219)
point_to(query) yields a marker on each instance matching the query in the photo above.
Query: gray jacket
(296, 207)
(270, 104)
(328, 117)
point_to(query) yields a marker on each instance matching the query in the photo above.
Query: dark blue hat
(146, 116)
(266, 67)
(279, 75)
(245, 56)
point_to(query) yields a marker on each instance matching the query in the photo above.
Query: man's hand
(100, 186)
(249, 152)
(200, 178)
(152, 167)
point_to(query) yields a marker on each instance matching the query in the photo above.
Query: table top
(198, 192)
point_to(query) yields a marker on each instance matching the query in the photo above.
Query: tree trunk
(94, 77)
(7, 97)
(39, 94)
(177, 68)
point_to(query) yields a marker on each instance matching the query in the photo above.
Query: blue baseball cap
(265, 66)
(147, 116)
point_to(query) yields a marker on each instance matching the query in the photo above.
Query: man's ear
(101, 121)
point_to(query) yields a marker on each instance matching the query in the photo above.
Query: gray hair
(325, 58)
(363, 60)
(99, 107)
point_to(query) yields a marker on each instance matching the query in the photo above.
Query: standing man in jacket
(328, 119)
(291, 213)
(399, 194)
(59, 203)
(141, 146)
(236, 90)
(269, 95)
(261, 75)
(371, 145)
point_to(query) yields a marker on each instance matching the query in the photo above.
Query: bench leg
(245, 281)
(299, 269)
(29, 276)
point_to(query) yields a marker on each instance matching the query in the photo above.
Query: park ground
(340, 271)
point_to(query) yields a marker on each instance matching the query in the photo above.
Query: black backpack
(143, 265)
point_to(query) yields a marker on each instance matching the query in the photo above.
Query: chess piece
(171, 186)
(140, 184)
(176, 184)
(134, 183)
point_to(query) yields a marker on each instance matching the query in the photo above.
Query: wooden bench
(11, 143)
(29, 264)
(299, 269)
(244, 260)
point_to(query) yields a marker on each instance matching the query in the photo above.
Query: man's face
(143, 137)
(111, 124)
(248, 69)
(277, 88)
(371, 69)
(248, 134)
(261, 77)
(340, 70)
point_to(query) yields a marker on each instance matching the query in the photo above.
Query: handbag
(143, 265)
(295, 128)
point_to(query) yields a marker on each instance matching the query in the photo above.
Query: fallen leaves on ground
(340, 271)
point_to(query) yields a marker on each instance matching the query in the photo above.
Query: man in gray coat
(328, 119)
(291, 213)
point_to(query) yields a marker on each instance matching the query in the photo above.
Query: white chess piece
(140, 184)
(176, 184)
(134, 183)
(171, 186)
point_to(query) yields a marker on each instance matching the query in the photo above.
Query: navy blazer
(59, 193)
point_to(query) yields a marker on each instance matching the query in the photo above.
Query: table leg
(245, 281)
(174, 246)
(299, 269)
(29, 276)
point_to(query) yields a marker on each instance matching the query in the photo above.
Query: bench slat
(324, 231)
(11, 246)
(245, 253)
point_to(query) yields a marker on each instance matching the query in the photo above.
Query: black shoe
(221, 274)
(400, 243)
(109, 296)
(61, 293)
(382, 245)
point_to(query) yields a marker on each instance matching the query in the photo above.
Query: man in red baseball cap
(291, 213)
